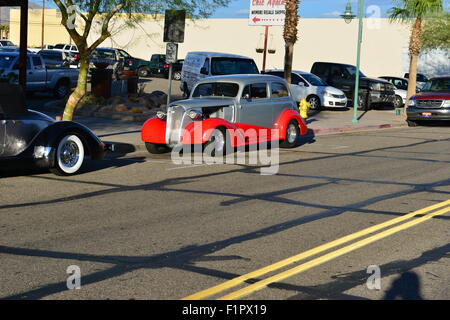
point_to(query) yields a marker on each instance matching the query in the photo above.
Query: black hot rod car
(31, 139)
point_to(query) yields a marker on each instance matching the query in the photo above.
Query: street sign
(267, 12)
(171, 52)
(174, 23)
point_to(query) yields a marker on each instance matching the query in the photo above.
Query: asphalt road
(142, 227)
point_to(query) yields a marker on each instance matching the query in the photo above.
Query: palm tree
(415, 10)
(290, 36)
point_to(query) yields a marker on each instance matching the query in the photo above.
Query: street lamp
(348, 17)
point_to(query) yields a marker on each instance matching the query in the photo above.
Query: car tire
(156, 148)
(315, 103)
(218, 143)
(363, 103)
(69, 156)
(292, 135)
(412, 123)
(398, 102)
(143, 72)
(61, 90)
(176, 76)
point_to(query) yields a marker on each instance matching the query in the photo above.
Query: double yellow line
(315, 262)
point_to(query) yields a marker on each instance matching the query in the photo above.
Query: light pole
(348, 17)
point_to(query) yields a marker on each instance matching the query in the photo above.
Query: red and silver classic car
(228, 112)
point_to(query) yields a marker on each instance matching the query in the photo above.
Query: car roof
(242, 78)
(217, 54)
(393, 77)
(15, 53)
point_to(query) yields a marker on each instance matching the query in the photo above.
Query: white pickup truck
(40, 78)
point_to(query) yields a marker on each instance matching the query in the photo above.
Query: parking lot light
(348, 17)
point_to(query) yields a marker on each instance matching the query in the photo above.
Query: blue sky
(308, 8)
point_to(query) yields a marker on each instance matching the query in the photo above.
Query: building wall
(54, 32)
(383, 47)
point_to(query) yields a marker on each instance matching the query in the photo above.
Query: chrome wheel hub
(291, 133)
(69, 154)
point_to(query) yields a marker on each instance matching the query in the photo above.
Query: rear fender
(283, 121)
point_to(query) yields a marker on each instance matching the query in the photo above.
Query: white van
(199, 65)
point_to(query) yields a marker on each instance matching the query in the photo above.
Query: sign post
(267, 13)
(174, 25)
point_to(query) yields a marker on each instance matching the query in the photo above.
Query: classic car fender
(50, 137)
(199, 132)
(283, 121)
(154, 131)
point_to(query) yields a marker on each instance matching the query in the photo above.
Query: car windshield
(216, 89)
(352, 70)
(5, 61)
(314, 80)
(7, 43)
(104, 54)
(221, 66)
(442, 84)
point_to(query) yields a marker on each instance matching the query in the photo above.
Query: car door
(280, 99)
(37, 75)
(255, 107)
(2, 133)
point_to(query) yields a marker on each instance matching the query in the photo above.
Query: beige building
(384, 48)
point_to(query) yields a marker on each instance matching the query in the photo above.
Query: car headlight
(161, 115)
(412, 103)
(446, 104)
(327, 94)
(195, 115)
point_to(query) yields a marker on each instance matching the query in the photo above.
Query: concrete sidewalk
(127, 134)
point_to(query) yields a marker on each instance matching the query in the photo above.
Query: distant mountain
(4, 12)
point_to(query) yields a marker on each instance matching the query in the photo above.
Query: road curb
(327, 131)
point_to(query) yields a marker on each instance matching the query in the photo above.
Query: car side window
(205, 68)
(37, 63)
(255, 91)
(296, 79)
(279, 90)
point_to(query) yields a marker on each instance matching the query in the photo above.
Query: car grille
(340, 104)
(429, 103)
(339, 96)
(174, 119)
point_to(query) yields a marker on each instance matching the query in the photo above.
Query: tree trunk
(80, 90)
(290, 36)
(288, 57)
(414, 52)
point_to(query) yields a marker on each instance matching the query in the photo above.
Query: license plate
(426, 114)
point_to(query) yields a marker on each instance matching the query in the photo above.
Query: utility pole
(43, 21)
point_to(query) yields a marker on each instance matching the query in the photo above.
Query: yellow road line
(327, 257)
(280, 264)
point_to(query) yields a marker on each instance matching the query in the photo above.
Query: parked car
(401, 89)
(313, 89)
(227, 106)
(57, 58)
(10, 49)
(39, 76)
(176, 70)
(199, 65)
(31, 139)
(432, 103)
(36, 50)
(421, 79)
(6, 43)
(342, 76)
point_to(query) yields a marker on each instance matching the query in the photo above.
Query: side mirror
(247, 96)
(300, 84)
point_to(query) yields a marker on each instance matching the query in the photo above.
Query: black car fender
(50, 137)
